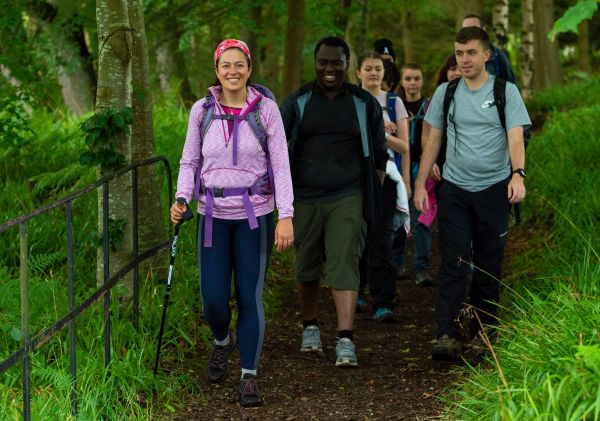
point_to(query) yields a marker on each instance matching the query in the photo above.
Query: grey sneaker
(345, 353)
(423, 279)
(311, 339)
(446, 348)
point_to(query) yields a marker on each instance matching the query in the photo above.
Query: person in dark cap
(385, 48)
(391, 77)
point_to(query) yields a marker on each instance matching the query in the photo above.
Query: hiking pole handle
(187, 215)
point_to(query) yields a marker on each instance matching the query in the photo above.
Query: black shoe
(447, 348)
(249, 394)
(218, 363)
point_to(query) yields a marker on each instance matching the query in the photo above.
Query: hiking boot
(361, 303)
(345, 353)
(218, 363)
(423, 279)
(447, 348)
(311, 339)
(384, 315)
(249, 394)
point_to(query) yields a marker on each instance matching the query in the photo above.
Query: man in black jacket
(337, 156)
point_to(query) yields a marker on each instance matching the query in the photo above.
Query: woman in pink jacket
(235, 163)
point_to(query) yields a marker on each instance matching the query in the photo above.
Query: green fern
(39, 264)
(66, 179)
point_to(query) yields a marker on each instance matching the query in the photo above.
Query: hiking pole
(517, 214)
(188, 214)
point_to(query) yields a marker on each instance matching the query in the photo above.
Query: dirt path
(396, 378)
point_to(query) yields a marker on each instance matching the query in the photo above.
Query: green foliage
(584, 9)
(103, 133)
(566, 97)
(15, 124)
(116, 232)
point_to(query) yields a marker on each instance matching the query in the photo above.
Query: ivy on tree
(103, 132)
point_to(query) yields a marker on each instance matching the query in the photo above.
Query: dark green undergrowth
(546, 364)
(43, 169)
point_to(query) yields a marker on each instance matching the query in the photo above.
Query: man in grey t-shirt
(483, 174)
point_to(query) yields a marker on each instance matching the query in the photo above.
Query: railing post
(136, 273)
(24, 277)
(105, 249)
(71, 306)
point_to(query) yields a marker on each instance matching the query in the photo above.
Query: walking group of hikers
(350, 170)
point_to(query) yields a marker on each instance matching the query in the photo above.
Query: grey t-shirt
(477, 153)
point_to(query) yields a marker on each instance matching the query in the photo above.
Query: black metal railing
(31, 344)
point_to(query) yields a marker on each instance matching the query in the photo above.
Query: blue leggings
(245, 252)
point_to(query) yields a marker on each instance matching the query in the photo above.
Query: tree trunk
(500, 22)
(547, 71)
(269, 55)
(294, 40)
(170, 64)
(527, 50)
(342, 17)
(251, 35)
(76, 83)
(114, 77)
(407, 43)
(583, 45)
(151, 226)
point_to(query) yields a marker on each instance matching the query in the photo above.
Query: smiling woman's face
(233, 70)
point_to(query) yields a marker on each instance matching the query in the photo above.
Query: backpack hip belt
(212, 192)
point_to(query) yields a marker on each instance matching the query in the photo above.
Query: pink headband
(231, 43)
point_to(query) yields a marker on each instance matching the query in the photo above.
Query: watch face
(521, 172)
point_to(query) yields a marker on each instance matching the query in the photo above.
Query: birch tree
(527, 50)
(500, 24)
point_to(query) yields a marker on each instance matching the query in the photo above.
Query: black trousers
(381, 271)
(472, 228)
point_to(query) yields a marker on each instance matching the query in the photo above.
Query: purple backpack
(264, 185)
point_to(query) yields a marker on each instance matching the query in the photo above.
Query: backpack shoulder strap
(448, 98)
(207, 116)
(500, 99)
(257, 126)
(391, 105)
(302, 100)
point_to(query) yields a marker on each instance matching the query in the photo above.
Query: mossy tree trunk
(151, 225)
(114, 81)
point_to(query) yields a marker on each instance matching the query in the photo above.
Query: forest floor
(396, 378)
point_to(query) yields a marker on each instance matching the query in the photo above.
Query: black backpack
(499, 102)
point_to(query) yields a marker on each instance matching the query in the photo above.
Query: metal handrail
(31, 344)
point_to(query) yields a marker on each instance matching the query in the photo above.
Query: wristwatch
(520, 171)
